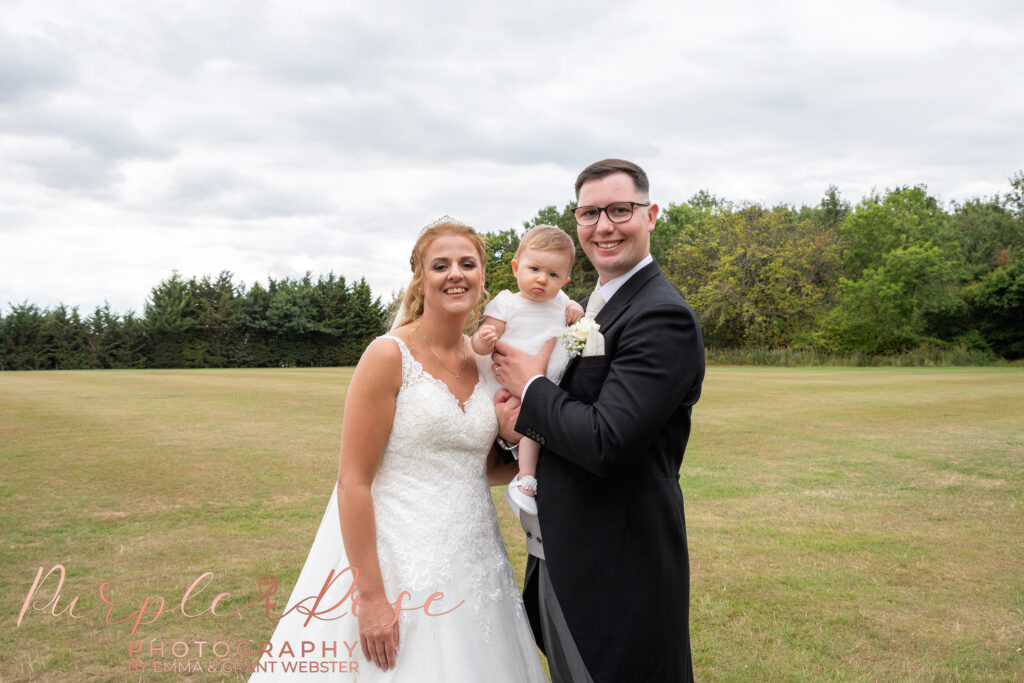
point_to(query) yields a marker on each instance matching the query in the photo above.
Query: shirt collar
(609, 288)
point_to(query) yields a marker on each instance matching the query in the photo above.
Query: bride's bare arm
(369, 412)
(506, 408)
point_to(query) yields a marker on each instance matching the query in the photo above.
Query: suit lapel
(620, 302)
(616, 307)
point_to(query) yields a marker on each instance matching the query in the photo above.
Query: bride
(421, 537)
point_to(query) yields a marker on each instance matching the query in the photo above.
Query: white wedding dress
(437, 531)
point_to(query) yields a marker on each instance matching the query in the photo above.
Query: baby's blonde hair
(548, 238)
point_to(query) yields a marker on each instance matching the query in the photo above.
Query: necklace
(462, 365)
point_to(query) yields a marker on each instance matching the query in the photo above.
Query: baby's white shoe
(520, 499)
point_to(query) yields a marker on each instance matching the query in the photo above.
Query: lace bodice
(436, 525)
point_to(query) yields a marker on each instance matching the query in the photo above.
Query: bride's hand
(378, 631)
(506, 407)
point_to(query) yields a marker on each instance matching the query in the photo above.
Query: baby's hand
(573, 312)
(488, 335)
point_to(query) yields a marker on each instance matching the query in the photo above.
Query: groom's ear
(652, 214)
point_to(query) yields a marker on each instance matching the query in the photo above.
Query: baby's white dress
(528, 324)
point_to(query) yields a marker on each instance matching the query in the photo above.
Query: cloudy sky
(274, 138)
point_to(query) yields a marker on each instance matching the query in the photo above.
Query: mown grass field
(845, 524)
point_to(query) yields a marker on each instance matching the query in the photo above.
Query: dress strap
(401, 344)
(409, 364)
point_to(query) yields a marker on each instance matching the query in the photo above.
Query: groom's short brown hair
(606, 167)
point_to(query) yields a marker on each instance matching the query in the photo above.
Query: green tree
(685, 241)
(366, 320)
(133, 351)
(501, 247)
(253, 345)
(210, 340)
(903, 217)
(830, 211)
(64, 340)
(291, 318)
(672, 222)
(887, 309)
(997, 308)
(1015, 197)
(756, 277)
(22, 342)
(988, 233)
(106, 338)
(171, 315)
(330, 297)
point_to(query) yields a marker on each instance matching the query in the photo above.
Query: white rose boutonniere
(583, 338)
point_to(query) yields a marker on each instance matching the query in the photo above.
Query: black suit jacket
(610, 509)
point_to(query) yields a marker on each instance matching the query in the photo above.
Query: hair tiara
(443, 219)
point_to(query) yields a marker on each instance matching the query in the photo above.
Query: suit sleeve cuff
(526, 387)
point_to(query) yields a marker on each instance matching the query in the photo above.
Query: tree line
(202, 323)
(896, 272)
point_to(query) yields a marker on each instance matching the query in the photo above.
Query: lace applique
(437, 530)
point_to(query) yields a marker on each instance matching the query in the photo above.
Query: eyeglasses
(617, 212)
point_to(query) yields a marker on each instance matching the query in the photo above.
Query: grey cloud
(182, 39)
(337, 46)
(68, 152)
(269, 203)
(228, 194)
(108, 137)
(411, 128)
(29, 65)
(12, 221)
(412, 43)
(74, 169)
(341, 246)
(997, 11)
(197, 186)
(350, 51)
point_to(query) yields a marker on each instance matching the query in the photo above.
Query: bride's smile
(453, 277)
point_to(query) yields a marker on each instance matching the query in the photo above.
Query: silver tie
(594, 305)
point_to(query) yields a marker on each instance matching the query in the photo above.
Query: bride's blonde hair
(412, 302)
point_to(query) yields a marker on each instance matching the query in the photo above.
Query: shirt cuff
(526, 387)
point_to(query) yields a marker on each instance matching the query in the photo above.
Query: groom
(610, 601)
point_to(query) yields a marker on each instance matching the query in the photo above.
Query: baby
(527, 319)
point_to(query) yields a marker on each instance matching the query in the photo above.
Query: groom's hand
(514, 368)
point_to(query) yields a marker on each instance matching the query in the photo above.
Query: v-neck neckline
(461, 403)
